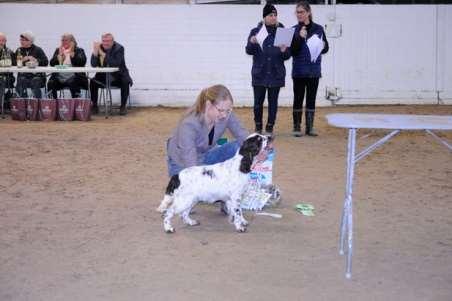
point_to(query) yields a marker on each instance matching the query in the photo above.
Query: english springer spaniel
(224, 181)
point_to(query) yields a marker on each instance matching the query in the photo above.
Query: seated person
(6, 79)
(109, 53)
(35, 55)
(193, 142)
(68, 54)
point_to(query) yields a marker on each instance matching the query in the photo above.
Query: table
(396, 123)
(86, 70)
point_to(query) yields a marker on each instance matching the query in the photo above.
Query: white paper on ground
(315, 45)
(275, 215)
(284, 36)
(262, 35)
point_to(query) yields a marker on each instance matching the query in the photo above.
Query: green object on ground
(305, 209)
(222, 141)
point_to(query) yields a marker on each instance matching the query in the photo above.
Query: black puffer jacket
(268, 68)
(79, 60)
(38, 54)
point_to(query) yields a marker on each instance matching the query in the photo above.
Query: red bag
(19, 109)
(47, 109)
(66, 109)
(33, 109)
(82, 109)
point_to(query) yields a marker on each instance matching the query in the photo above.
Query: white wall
(387, 54)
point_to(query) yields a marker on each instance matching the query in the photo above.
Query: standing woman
(268, 71)
(305, 72)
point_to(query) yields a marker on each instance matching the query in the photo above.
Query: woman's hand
(282, 48)
(303, 32)
(253, 40)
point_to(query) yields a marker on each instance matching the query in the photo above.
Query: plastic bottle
(8, 61)
(19, 59)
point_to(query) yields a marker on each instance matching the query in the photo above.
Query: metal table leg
(347, 211)
(108, 98)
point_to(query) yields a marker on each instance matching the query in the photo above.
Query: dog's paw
(245, 223)
(194, 222)
(170, 230)
(161, 209)
(241, 229)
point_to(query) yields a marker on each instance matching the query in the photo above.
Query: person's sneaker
(95, 110)
(122, 111)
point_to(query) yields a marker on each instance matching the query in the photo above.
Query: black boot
(310, 123)
(258, 128)
(269, 129)
(297, 123)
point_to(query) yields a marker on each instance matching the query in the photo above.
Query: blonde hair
(71, 37)
(214, 94)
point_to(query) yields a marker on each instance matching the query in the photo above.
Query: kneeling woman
(193, 142)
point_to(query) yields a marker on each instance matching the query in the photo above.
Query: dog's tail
(166, 202)
(173, 184)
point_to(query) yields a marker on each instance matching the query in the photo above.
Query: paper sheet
(315, 45)
(284, 36)
(262, 35)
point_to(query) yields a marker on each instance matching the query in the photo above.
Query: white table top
(49, 69)
(390, 121)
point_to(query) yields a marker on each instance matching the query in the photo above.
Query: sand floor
(77, 218)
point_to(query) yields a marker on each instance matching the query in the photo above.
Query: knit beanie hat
(268, 9)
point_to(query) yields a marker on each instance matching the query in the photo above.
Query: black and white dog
(224, 181)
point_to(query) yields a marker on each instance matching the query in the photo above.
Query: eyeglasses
(223, 111)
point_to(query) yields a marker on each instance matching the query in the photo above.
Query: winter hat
(28, 35)
(268, 9)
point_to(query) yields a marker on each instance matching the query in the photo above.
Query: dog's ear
(245, 164)
(249, 149)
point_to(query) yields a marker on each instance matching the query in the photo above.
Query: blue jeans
(215, 155)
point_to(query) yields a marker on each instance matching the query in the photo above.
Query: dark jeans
(259, 98)
(99, 82)
(34, 82)
(5, 82)
(300, 86)
(74, 84)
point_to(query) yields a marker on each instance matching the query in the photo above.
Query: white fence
(378, 54)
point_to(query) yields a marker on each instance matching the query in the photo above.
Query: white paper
(275, 215)
(284, 36)
(262, 35)
(315, 45)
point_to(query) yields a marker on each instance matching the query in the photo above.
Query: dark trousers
(259, 98)
(34, 82)
(99, 82)
(302, 86)
(74, 84)
(5, 82)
